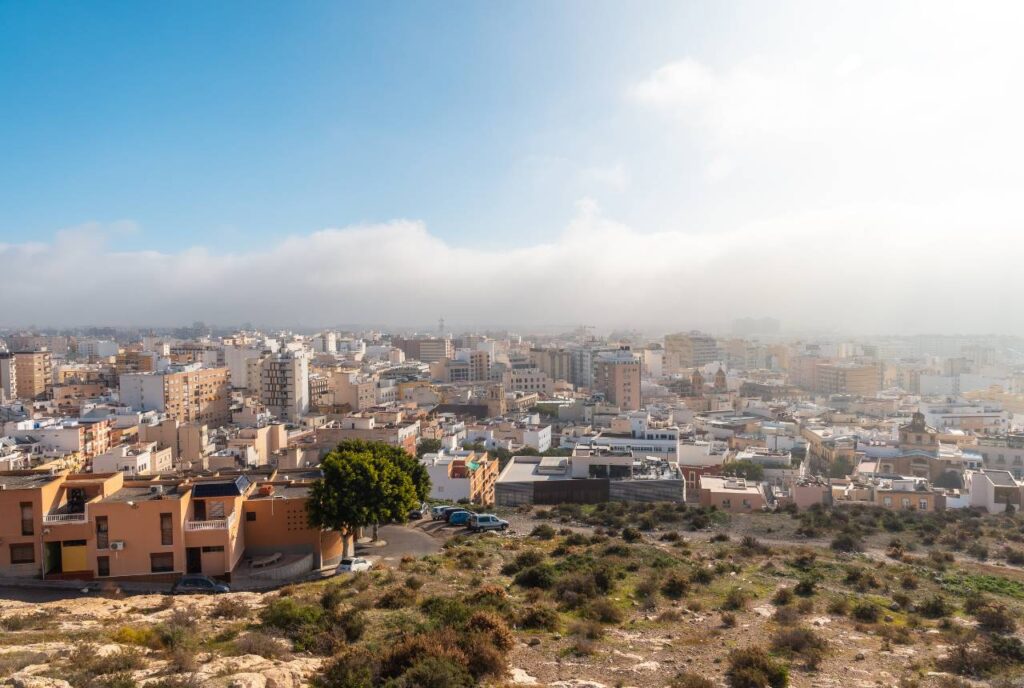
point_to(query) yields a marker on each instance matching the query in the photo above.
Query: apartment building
(617, 376)
(284, 385)
(184, 393)
(106, 526)
(555, 363)
(685, 350)
(848, 378)
(403, 434)
(462, 475)
(8, 377)
(34, 374)
(135, 362)
(528, 379)
(80, 436)
(138, 459)
(425, 349)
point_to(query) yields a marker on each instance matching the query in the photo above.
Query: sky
(851, 167)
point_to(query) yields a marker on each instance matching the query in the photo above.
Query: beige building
(556, 363)
(284, 385)
(34, 370)
(191, 394)
(848, 378)
(686, 350)
(617, 376)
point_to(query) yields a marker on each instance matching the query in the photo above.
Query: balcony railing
(215, 524)
(62, 519)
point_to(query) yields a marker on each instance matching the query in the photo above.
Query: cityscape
(540, 344)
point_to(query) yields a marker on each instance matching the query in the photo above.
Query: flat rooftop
(143, 494)
(26, 482)
(282, 491)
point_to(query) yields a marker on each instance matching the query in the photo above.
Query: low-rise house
(141, 458)
(589, 476)
(462, 475)
(734, 495)
(993, 490)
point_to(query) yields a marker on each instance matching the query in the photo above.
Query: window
(250, 515)
(162, 562)
(923, 505)
(23, 554)
(905, 502)
(102, 533)
(102, 566)
(217, 548)
(726, 503)
(166, 530)
(887, 500)
(27, 527)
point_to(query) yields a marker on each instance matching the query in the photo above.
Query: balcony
(59, 519)
(215, 524)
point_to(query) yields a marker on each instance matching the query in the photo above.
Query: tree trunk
(374, 538)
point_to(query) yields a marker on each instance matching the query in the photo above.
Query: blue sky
(840, 166)
(226, 123)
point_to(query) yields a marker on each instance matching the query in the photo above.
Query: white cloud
(867, 276)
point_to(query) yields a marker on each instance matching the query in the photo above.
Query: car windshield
(346, 562)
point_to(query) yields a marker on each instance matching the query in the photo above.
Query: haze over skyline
(663, 169)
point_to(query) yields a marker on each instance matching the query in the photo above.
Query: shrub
(331, 597)
(258, 643)
(288, 615)
(493, 627)
(754, 668)
(229, 607)
(934, 607)
(543, 532)
(866, 612)
(540, 617)
(687, 679)
(446, 611)
(435, 672)
(605, 611)
(805, 588)
(846, 542)
(728, 620)
(782, 597)
(632, 535)
(354, 668)
(539, 576)
(397, 597)
(786, 616)
(145, 636)
(591, 630)
(735, 599)
(675, 585)
(801, 641)
(995, 618)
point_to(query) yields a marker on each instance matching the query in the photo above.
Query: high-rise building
(617, 377)
(34, 370)
(686, 350)
(284, 385)
(557, 363)
(848, 378)
(425, 349)
(185, 393)
(8, 377)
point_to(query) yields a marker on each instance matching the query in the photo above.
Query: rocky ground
(633, 633)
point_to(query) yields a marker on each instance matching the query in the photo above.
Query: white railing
(60, 519)
(215, 524)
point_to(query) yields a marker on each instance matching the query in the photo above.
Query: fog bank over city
(870, 269)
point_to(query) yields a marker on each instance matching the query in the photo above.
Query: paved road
(40, 595)
(401, 540)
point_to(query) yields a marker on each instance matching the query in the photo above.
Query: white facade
(142, 391)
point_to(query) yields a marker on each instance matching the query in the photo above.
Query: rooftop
(23, 481)
(144, 494)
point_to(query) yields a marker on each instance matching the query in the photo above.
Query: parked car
(192, 583)
(459, 518)
(437, 512)
(418, 513)
(481, 522)
(449, 510)
(354, 564)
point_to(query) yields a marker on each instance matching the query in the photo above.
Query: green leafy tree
(427, 446)
(744, 469)
(361, 486)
